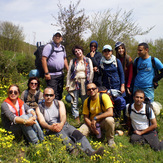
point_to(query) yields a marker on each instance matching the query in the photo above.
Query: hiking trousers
(106, 124)
(151, 138)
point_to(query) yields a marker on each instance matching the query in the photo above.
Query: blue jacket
(112, 75)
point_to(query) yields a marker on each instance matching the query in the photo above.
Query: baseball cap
(107, 47)
(118, 44)
(58, 32)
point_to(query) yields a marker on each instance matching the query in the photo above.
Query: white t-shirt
(139, 121)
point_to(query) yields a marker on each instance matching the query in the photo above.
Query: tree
(72, 22)
(11, 36)
(109, 28)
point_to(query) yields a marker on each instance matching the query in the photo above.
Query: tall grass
(52, 149)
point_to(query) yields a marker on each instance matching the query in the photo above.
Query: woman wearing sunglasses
(32, 96)
(19, 118)
(80, 73)
(113, 78)
(95, 57)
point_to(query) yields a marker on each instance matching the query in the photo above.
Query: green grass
(52, 149)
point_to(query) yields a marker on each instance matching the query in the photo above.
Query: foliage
(52, 149)
(72, 22)
(12, 63)
(107, 27)
(11, 36)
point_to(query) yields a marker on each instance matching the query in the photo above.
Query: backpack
(147, 110)
(153, 65)
(42, 105)
(38, 60)
(36, 95)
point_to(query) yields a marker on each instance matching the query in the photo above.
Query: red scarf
(7, 100)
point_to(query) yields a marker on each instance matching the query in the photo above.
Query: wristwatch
(95, 118)
(24, 121)
(47, 73)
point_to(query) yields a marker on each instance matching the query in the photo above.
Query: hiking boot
(111, 143)
(99, 151)
(74, 152)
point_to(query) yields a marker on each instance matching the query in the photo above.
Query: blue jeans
(32, 133)
(71, 136)
(74, 106)
(149, 92)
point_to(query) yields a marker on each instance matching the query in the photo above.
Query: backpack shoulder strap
(135, 66)
(88, 103)
(37, 96)
(25, 95)
(56, 103)
(148, 111)
(101, 101)
(154, 65)
(129, 109)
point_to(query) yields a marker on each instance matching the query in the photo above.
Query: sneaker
(74, 152)
(99, 151)
(111, 143)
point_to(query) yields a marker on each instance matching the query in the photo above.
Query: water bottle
(98, 128)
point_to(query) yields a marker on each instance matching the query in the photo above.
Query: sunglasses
(106, 50)
(91, 89)
(15, 92)
(47, 95)
(34, 83)
(93, 46)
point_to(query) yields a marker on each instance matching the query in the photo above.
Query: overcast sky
(35, 16)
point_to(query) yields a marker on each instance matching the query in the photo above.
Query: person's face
(33, 84)
(92, 90)
(142, 52)
(13, 93)
(107, 53)
(121, 51)
(93, 47)
(49, 95)
(139, 98)
(78, 53)
(57, 39)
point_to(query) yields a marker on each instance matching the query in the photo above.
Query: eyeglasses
(34, 83)
(47, 95)
(91, 89)
(11, 92)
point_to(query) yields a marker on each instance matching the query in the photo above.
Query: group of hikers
(104, 82)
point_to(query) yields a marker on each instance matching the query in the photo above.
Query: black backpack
(147, 110)
(38, 60)
(153, 65)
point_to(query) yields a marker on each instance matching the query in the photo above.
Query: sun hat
(118, 44)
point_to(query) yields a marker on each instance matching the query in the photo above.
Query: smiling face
(93, 47)
(142, 52)
(78, 53)
(33, 84)
(107, 53)
(121, 51)
(57, 39)
(92, 90)
(13, 93)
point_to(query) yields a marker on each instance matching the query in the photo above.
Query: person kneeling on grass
(19, 118)
(52, 116)
(143, 125)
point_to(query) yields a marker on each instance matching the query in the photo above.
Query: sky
(36, 16)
